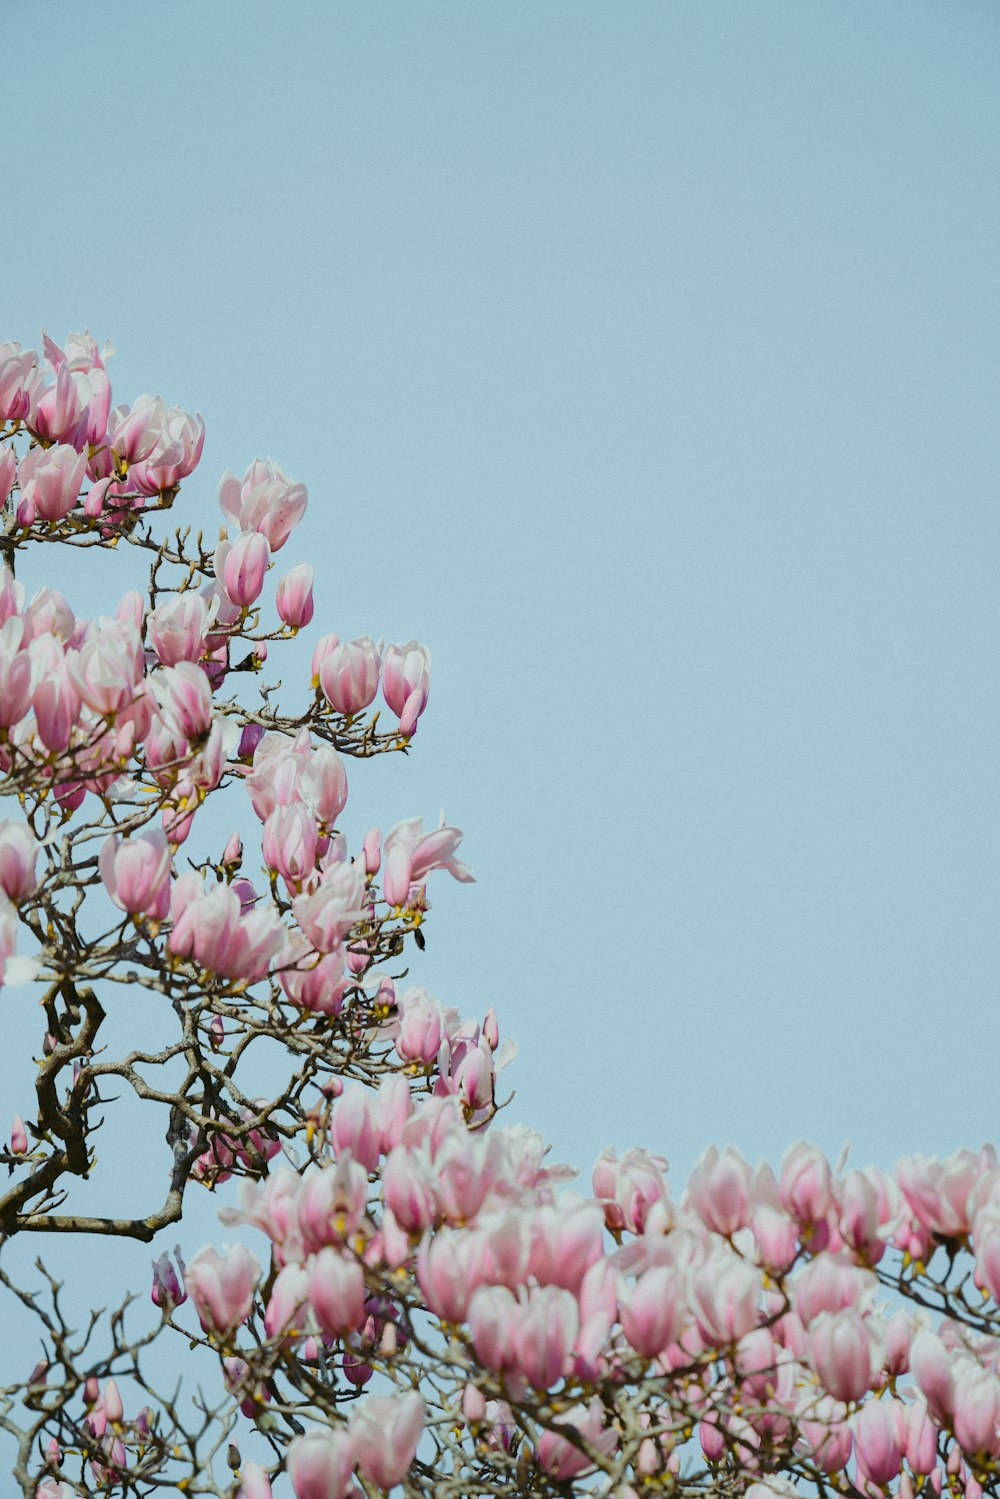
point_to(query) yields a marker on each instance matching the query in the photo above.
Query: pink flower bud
(372, 848)
(806, 1183)
(406, 675)
(240, 566)
(133, 432)
(8, 470)
(185, 700)
(113, 1408)
(168, 1284)
(18, 1137)
(294, 597)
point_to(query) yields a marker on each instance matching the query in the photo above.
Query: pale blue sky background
(643, 360)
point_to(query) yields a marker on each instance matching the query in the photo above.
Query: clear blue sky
(643, 360)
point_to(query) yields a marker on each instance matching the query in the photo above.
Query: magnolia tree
(430, 1304)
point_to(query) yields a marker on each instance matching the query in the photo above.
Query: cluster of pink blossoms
(440, 1309)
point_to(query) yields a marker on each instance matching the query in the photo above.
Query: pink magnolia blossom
(254, 1482)
(20, 381)
(806, 1183)
(17, 672)
(349, 674)
(336, 1290)
(18, 1137)
(294, 596)
(725, 1297)
(289, 843)
(563, 1459)
(168, 1284)
(321, 1464)
(331, 1204)
(241, 566)
(385, 1431)
(134, 431)
(266, 501)
(719, 1190)
(409, 855)
(185, 700)
(876, 1441)
(406, 678)
(176, 454)
(18, 857)
(8, 472)
(178, 628)
(50, 480)
(57, 408)
(136, 873)
(222, 1287)
(842, 1353)
(652, 1311)
(329, 912)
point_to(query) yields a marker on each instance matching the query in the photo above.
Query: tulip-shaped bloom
(987, 1247)
(18, 1137)
(294, 596)
(20, 381)
(719, 1190)
(168, 1284)
(348, 675)
(409, 855)
(318, 985)
(876, 1441)
(240, 567)
(406, 682)
(321, 1464)
(185, 700)
(17, 672)
(830, 1283)
(806, 1183)
(134, 431)
(976, 1421)
(222, 1287)
(421, 1028)
(254, 1483)
(287, 1302)
(841, 1352)
(136, 873)
(336, 1289)
(8, 470)
(652, 1312)
(385, 1430)
(543, 1335)
(725, 1297)
(55, 700)
(408, 1191)
(931, 1367)
(57, 409)
(18, 854)
(178, 628)
(355, 1126)
(50, 480)
(289, 844)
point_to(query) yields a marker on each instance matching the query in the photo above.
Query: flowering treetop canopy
(430, 1302)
